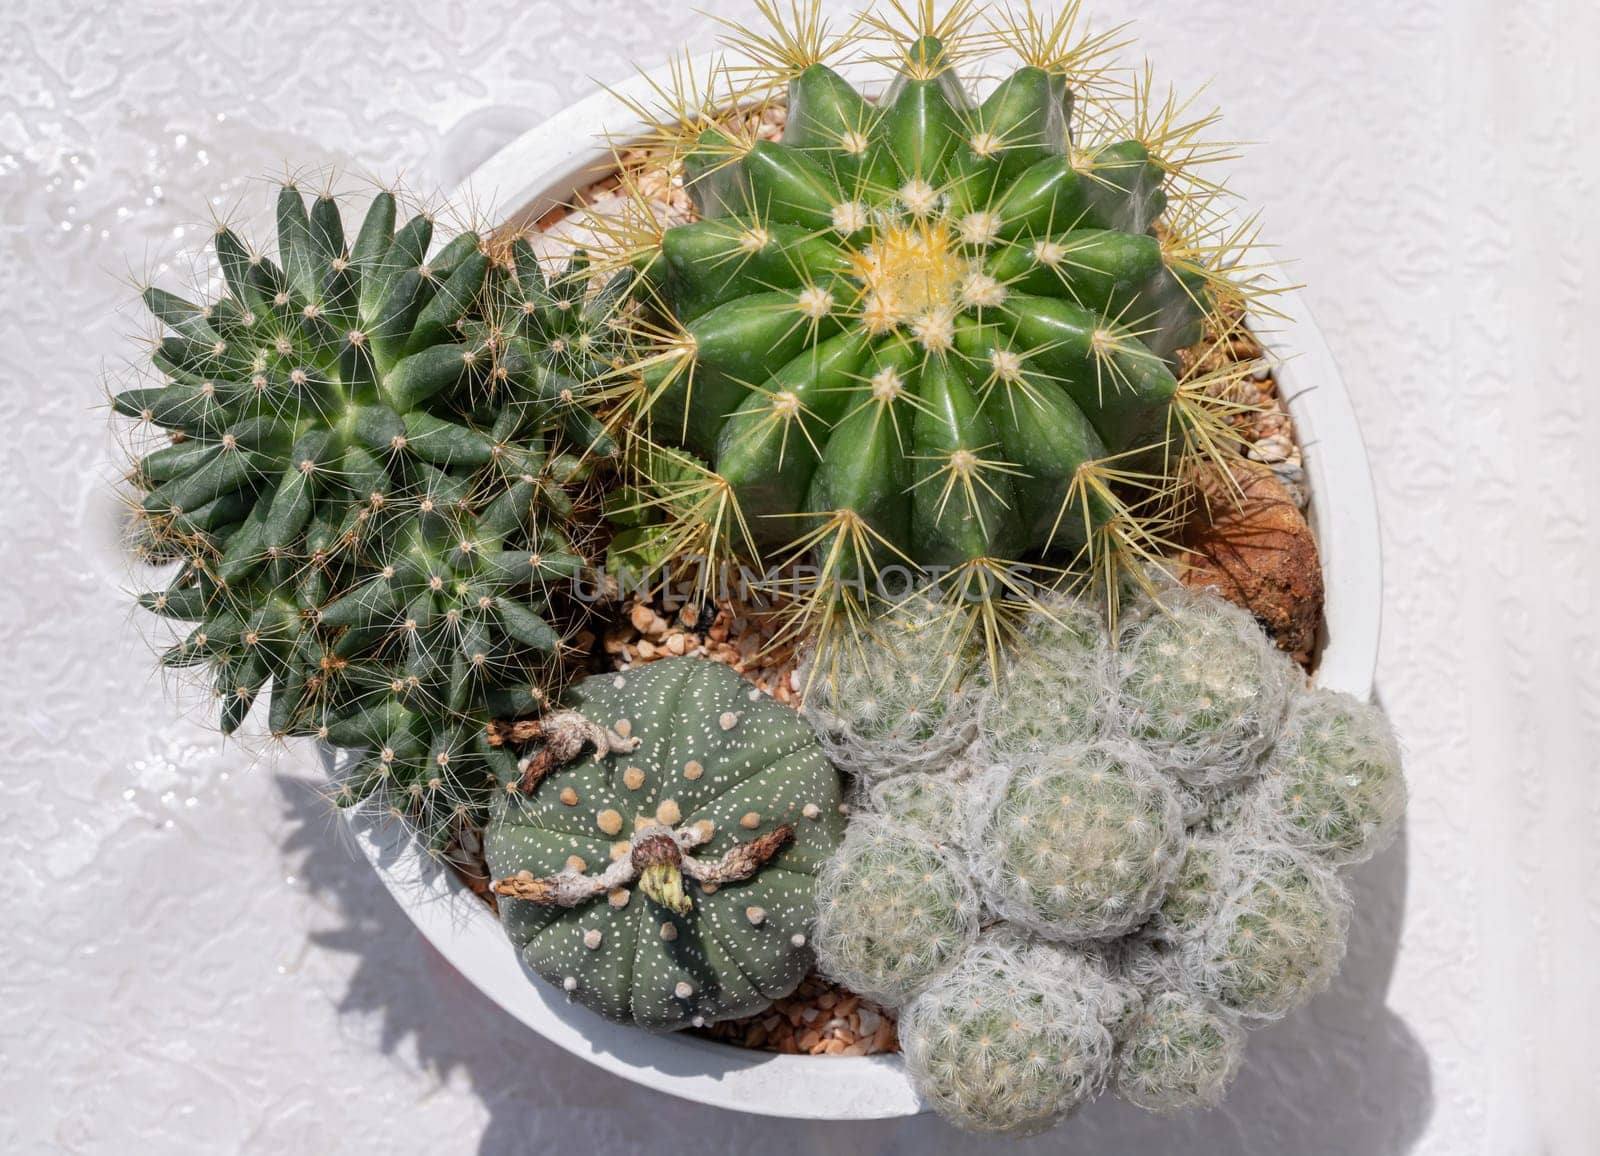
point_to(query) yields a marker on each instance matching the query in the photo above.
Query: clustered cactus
(368, 457)
(667, 881)
(1174, 871)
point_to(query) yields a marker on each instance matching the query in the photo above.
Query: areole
(541, 170)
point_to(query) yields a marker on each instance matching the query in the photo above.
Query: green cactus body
(928, 314)
(1005, 1042)
(1178, 1051)
(366, 478)
(1333, 784)
(1202, 687)
(664, 952)
(1191, 896)
(934, 805)
(1275, 933)
(896, 699)
(1080, 843)
(894, 910)
(1056, 688)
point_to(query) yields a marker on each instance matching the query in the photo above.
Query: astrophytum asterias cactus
(365, 472)
(668, 881)
(928, 329)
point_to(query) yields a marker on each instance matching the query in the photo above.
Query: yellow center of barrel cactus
(909, 270)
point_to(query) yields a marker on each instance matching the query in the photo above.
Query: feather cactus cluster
(368, 455)
(667, 881)
(1179, 912)
(928, 329)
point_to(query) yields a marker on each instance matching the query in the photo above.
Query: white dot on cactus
(798, 939)
(886, 384)
(850, 217)
(698, 1021)
(919, 197)
(811, 811)
(592, 938)
(619, 682)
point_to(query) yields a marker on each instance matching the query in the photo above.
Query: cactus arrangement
(1102, 862)
(667, 881)
(941, 331)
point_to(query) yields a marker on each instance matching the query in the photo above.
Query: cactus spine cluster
(600, 887)
(1174, 872)
(366, 468)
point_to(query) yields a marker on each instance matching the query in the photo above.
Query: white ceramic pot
(540, 170)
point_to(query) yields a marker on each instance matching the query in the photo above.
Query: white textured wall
(191, 962)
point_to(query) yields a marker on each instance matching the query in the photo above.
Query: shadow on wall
(1341, 1076)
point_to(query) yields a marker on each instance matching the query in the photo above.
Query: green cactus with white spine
(1274, 932)
(894, 910)
(927, 329)
(1079, 843)
(896, 698)
(1010, 1041)
(1332, 784)
(367, 475)
(1202, 687)
(609, 872)
(1178, 1051)
(932, 804)
(1057, 687)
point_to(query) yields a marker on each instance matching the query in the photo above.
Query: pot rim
(540, 170)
